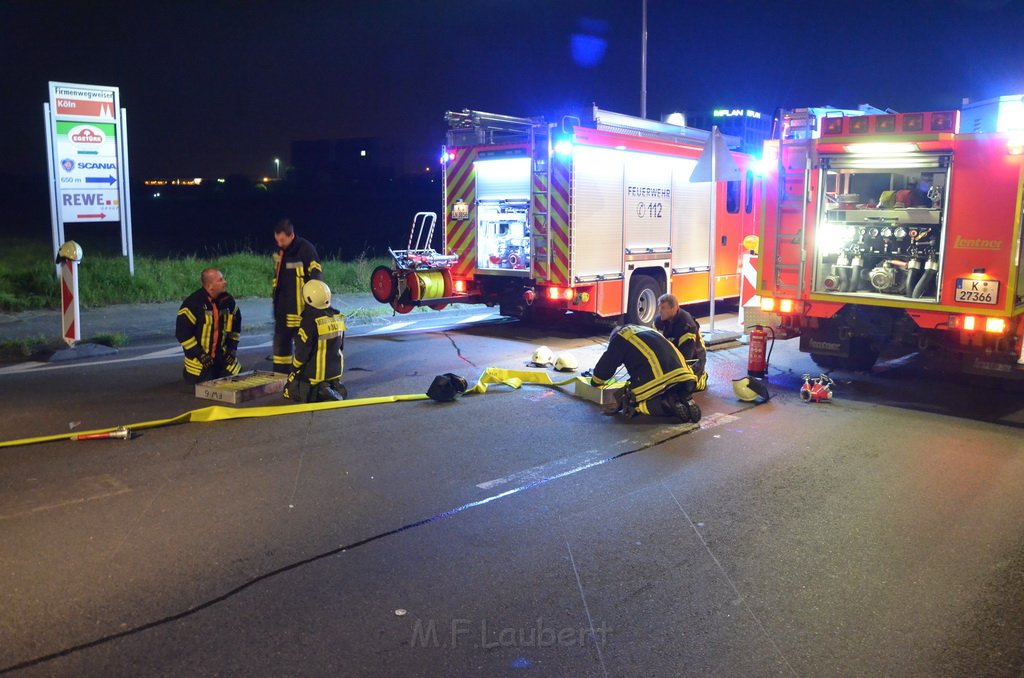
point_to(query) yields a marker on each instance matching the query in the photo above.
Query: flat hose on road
(491, 376)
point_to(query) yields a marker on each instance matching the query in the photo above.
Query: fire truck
(896, 230)
(541, 219)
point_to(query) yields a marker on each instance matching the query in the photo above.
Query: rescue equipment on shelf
(419, 273)
(750, 389)
(817, 390)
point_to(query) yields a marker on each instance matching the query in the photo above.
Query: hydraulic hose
(923, 283)
(913, 275)
(844, 278)
(855, 276)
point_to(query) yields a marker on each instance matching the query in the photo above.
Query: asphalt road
(515, 532)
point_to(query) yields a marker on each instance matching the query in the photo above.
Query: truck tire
(643, 300)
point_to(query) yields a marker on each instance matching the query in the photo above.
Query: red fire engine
(896, 229)
(541, 219)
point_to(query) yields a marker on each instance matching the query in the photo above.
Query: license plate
(974, 291)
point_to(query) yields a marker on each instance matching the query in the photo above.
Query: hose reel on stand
(419, 273)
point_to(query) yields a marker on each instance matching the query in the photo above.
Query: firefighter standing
(208, 328)
(683, 330)
(295, 262)
(318, 363)
(660, 381)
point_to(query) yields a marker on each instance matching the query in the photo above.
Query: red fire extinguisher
(757, 359)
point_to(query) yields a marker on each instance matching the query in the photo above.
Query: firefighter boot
(325, 393)
(687, 410)
(613, 408)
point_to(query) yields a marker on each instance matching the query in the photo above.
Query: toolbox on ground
(241, 387)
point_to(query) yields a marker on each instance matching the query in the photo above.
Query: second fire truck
(898, 230)
(541, 219)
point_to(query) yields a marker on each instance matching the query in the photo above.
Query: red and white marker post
(748, 285)
(69, 255)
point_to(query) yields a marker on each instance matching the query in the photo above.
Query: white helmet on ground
(317, 294)
(566, 362)
(542, 357)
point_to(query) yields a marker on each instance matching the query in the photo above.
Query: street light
(277, 163)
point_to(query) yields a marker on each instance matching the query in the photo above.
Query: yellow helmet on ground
(749, 389)
(566, 362)
(542, 357)
(317, 294)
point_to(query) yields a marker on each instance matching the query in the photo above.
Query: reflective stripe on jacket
(295, 265)
(653, 362)
(318, 346)
(204, 325)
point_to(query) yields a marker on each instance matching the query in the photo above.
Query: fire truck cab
(542, 219)
(896, 229)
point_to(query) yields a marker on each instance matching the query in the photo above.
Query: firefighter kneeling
(660, 381)
(318, 362)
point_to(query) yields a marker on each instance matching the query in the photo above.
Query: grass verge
(27, 279)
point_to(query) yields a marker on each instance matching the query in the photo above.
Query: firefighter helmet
(317, 294)
(749, 389)
(70, 250)
(566, 362)
(542, 357)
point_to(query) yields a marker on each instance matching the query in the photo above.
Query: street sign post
(87, 148)
(714, 165)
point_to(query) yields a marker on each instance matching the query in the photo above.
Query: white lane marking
(542, 471)
(173, 351)
(391, 327)
(45, 367)
(716, 419)
(20, 367)
(475, 318)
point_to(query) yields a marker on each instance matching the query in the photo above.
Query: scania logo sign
(68, 164)
(87, 135)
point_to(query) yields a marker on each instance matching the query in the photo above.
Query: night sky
(215, 88)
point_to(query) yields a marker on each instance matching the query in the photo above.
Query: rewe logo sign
(87, 136)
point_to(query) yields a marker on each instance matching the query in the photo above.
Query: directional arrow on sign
(92, 216)
(109, 180)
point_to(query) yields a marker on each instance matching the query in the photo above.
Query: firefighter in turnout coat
(208, 328)
(683, 330)
(660, 381)
(318, 363)
(295, 262)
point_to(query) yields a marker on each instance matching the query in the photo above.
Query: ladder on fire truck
(540, 197)
(796, 143)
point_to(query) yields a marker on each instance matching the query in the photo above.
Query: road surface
(515, 532)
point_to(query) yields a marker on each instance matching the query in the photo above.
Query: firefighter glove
(206, 360)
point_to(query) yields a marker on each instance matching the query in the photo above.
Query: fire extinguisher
(760, 353)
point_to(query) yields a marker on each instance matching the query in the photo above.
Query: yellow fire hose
(431, 284)
(491, 376)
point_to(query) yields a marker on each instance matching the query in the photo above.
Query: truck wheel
(863, 356)
(643, 300)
